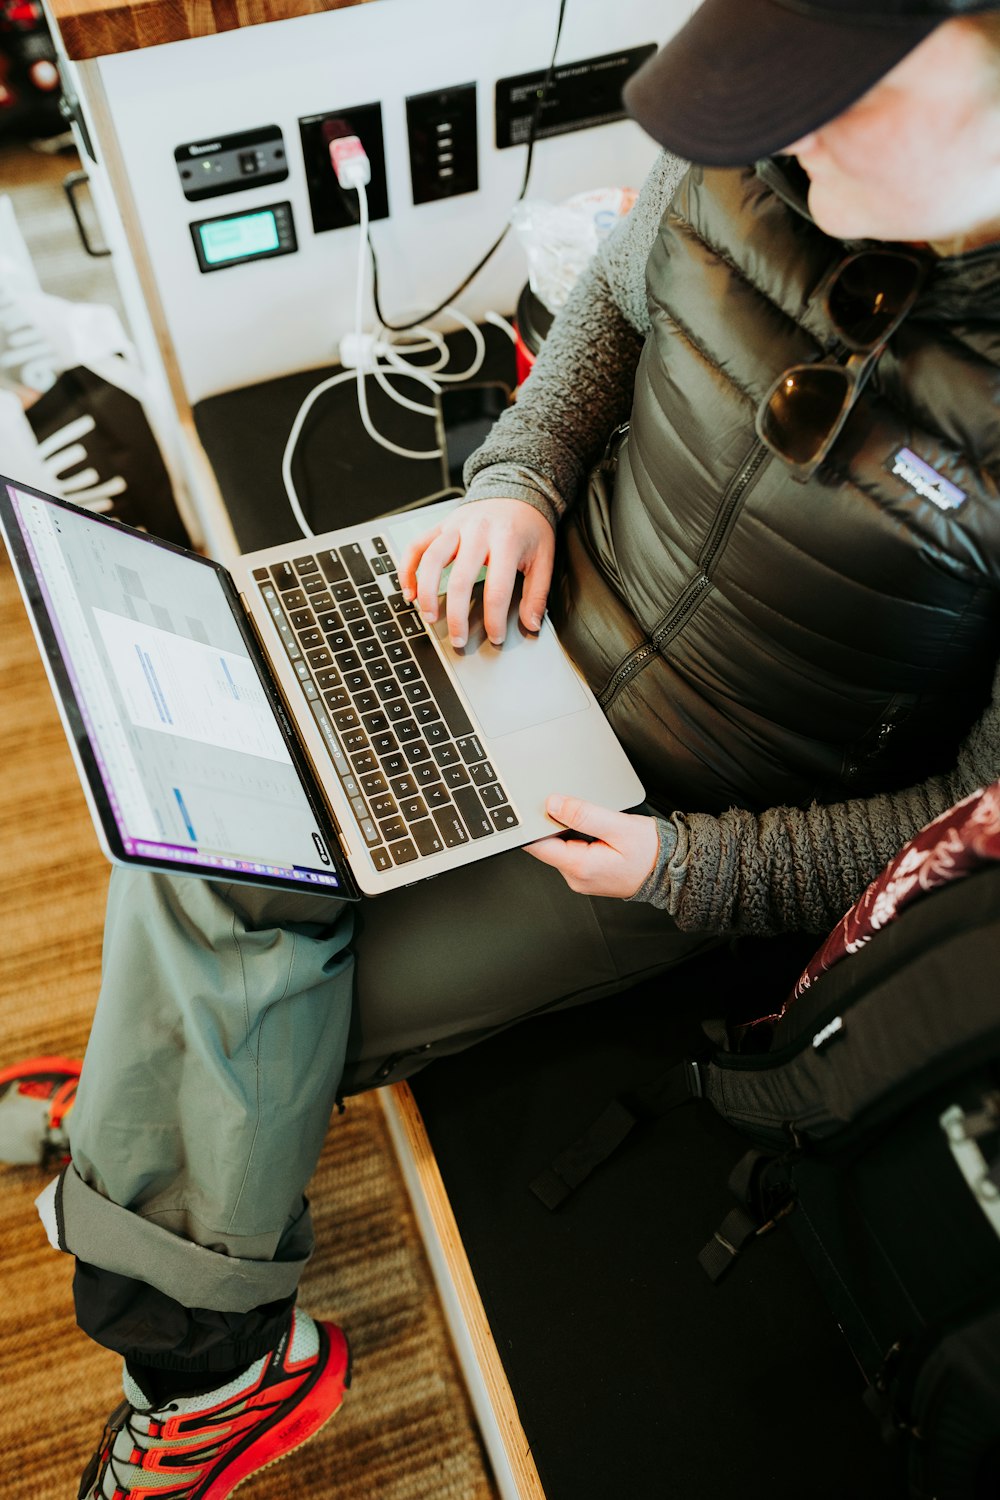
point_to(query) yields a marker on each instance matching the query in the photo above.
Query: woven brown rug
(405, 1431)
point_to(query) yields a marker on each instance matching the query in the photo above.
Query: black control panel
(231, 163)
(580, 95)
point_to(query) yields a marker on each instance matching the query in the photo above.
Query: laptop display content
(187, 758)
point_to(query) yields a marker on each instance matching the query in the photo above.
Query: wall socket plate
(441, 127)
(334, 207)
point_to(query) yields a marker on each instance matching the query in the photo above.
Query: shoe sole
(306, 1418)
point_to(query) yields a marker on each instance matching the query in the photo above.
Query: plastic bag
(80, 387)
(560, 238)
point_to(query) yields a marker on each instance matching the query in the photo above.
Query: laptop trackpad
(528, 680)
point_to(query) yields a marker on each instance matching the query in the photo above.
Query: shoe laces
(102, 1462)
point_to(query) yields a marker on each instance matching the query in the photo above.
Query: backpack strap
(602, 1138)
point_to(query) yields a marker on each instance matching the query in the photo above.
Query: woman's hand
(510, 537)
(614, 858)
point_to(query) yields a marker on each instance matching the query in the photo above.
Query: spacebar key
(440, 685)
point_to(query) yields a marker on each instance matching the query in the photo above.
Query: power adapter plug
(358, 351)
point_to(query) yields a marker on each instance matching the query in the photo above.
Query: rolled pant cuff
(91, 1227)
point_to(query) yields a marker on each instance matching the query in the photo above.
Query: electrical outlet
(334, 207)
(442, 131)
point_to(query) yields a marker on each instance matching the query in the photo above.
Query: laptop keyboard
(407, 755)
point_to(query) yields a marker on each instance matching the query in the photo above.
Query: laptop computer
(293, 722)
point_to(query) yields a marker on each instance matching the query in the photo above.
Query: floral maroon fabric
(960, 841)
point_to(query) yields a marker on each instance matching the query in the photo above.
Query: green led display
(233, 239)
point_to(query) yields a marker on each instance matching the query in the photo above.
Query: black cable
(532, 132)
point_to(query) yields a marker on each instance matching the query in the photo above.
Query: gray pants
(230, 1018)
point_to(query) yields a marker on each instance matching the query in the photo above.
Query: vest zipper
(691, 596)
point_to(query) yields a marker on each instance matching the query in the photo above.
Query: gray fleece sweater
(784, 869)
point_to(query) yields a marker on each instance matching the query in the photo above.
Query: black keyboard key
(356, 563)
(493, 795)
(344, 591)
(380, 668)
(330, 620)
(346, 719)
(295, 599)
(448, 701)
(407, 671)
(321, 601)
(310, 637)
(378, 564)
(328, 678)
(413, 808)
(314, 584)
(337, 698)
(332, 566)
(417, 692)
(394, 764)
(284, 576)
(454, 776)
(406, 730)
(303, 618)
(436, 795)
(388, 688)
(411, 625)
(380, 858)
(369, 651)
(384, 806)
(388, 633)
(477, 819)
(416, 752)
(353, 610)
(348, 661)
(306, 564)
(451, 828)
(339, 640)
(399, 605)
(393, 828)
(355, 739)
(357, 681)
(380, 614)
(374, 784)
(403, 786)
(446, 755)
(379, 544)
(426, 713)
(471, 749)
(426, 773)
(319, 658)
(366, 702)
(397, 710)
(398, 652)
(261, 575)
(503, 817)
(482, 772)
(364, 762)
(361, 630)
(370, 593)
(426, 837)
(436, 733)
(384, 744)
(403, 852)
(375, 723)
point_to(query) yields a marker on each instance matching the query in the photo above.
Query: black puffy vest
(754, 639)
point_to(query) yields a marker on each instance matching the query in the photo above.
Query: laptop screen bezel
(80, 742)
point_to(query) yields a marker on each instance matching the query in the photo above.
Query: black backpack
(872, 1107)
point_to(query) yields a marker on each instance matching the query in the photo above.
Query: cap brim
(746, 78)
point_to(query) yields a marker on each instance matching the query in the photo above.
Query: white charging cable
(382, 354)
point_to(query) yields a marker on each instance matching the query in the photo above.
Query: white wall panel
(251, 322)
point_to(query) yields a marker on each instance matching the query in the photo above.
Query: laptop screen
(182, 751)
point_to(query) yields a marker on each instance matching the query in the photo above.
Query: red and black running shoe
(202, 1447)
(36, 1096)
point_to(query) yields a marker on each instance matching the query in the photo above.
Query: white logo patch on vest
(925, 481)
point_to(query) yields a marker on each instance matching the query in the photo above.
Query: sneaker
(202, 1447)
(36, 1096)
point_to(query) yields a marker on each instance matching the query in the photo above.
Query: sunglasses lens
(871, 293)
(803, 409)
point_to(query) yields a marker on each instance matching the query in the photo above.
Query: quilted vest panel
(758, 640)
